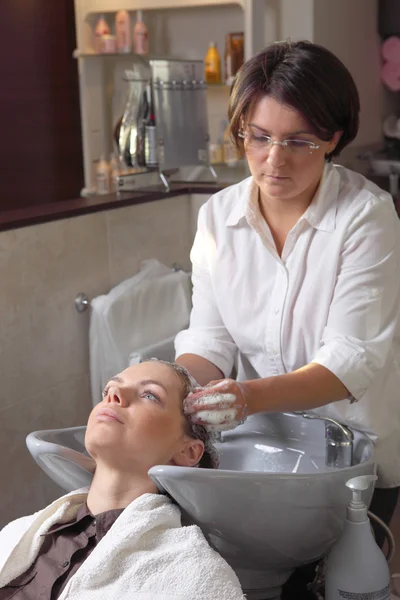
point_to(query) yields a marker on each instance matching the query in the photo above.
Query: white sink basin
(271, 506)
(62, 455)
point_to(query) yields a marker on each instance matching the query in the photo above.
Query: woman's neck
(287, 208)
(281, 215)
(112, 489)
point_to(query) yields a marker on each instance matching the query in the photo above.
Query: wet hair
(303, 76)
(210, 459)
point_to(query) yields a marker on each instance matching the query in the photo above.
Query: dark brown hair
(306, 77)
(210, 459)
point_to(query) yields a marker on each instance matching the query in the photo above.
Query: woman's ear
(189, 455)
(334, 141)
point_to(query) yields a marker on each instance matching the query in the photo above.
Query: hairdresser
(296, 270)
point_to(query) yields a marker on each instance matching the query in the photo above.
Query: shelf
(219, 85)
(106, 6)
(143, 59)
(240, 163)
(128, 55)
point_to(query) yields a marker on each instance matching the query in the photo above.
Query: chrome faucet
(338, 442)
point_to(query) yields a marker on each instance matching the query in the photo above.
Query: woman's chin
(277, 188)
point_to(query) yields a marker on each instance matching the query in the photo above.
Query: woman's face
(140, 423)
(279, 172)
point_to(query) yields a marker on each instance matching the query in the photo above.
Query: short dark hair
(306, 77)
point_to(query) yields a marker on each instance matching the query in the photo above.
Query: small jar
(216, 153)
(108, 44)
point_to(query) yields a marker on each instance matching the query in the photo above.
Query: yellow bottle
(232, 155)
(212, 64)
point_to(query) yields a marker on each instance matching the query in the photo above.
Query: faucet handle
(339, 442)
(332, 428)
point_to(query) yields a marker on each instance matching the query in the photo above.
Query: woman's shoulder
(363, 208)
(228, 201)
(356, 189)
(227, 206)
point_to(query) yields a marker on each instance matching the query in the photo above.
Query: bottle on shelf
(231, 153)
(234, 55)
(151, 155)
(115, 170)
(103, 177)
(123, 31)
(216, 150)
(216, 156)
(108, 44)
(212, 70)
(229, 60)
(220, 139)
(101, 29)
(140, 35)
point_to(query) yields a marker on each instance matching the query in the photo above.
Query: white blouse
(332, 298)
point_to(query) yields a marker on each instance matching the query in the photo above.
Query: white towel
(146, 555)
(163, 350)
(146, 309)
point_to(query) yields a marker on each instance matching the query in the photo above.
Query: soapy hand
(219, 406)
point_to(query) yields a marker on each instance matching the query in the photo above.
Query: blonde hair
(210, 458)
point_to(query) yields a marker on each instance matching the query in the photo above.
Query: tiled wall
(44, 365)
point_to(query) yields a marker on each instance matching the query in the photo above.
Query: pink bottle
(390, 75)
(391, 49)
(101, 29)
(123, 31)
(140, 35)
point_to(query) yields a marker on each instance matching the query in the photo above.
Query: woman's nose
(276, 156)
(115, 396)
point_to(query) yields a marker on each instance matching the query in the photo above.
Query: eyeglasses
(265, 142)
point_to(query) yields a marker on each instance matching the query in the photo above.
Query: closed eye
(259, 138)
(299, 143)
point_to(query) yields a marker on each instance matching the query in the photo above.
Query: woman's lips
(276, 177)
(108, 414)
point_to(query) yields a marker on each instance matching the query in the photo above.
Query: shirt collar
(82, 513)
(244, 193)
(102, 521)
(321, 213)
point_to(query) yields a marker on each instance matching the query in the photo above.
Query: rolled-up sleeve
(365, 306)
(207, 335)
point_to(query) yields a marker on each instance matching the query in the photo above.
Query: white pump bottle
(356, 568)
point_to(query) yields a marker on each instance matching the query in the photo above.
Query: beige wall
(350, 30)
(44, 368)
(346, 27)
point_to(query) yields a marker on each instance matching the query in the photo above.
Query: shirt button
(94, 521)
(65, 564)
(277, 311)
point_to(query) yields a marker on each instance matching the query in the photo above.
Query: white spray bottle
(356, 568)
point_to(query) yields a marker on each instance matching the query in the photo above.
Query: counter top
(53, 211)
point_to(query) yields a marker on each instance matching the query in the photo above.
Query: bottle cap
(212, 44)
(139, 16)
(357, 510)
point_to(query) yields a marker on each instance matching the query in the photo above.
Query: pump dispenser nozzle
(357, 512)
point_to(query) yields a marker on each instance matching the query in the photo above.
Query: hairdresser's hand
(219, 406)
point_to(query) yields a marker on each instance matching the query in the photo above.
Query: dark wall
(40, 136)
